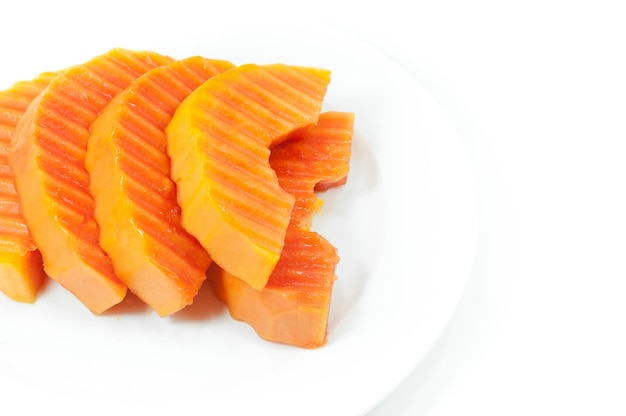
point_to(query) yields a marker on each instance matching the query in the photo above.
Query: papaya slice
(294, 306)
(48, 161)
(315, 159)
(135, 198)
(21, 268)
(218, 143)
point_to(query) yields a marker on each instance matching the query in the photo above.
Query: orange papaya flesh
(48, 161)
(314, 159)
(294, 306)
(135, 199)
(218, 142)
(21, 268)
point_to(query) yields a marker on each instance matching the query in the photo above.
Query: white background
(537, 90)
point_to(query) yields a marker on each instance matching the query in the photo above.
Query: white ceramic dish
(405, 226)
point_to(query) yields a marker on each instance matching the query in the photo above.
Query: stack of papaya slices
(48, 161)
(293, 307)
(135, 198)
(135, 170)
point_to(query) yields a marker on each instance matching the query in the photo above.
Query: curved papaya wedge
(218, 142)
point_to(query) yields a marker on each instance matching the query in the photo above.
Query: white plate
(405, 226)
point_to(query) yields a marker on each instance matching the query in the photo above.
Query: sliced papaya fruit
(48, 161)
(314, 159)
(294, 305)
(21, 268)
(135, 198)
(218, 143)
